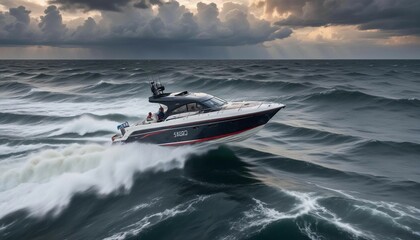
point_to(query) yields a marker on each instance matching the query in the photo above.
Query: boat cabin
(184, 102)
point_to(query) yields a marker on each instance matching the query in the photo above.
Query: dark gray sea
(341, 161)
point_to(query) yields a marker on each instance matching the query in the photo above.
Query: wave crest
(48, 180)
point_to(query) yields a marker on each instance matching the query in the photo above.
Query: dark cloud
(172, 25)
(87, 32)
(156, 2)
(21, 14)
(207, 17)
(144, 4)
(51, 24)
(14, 25)
(19, 26)
(401, 17)
(106, 5)
(282, 33)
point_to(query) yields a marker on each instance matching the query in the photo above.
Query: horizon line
(200, 59)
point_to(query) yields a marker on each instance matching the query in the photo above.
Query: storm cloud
(87, 5)
(15, 26)
(143, 4)
(401, 17)
(160, 27)
(107, 5)
(173, 23)
(51, 24)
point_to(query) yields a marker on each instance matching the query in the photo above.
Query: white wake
(47, 181)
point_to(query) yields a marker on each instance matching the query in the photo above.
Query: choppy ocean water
(342, 161)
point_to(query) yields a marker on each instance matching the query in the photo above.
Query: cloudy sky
(181, 29)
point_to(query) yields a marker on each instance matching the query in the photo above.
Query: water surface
(341, 161)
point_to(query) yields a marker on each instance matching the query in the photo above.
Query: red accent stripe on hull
(206, 139)
(153, 133)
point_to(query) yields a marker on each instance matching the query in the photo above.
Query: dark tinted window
(190, 107)
(194, 107)
(181, 109)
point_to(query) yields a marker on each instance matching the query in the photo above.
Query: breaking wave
(46, 182)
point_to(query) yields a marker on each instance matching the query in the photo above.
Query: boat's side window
(181, 109)
(200, 107)
(194, 107)
(190, 107)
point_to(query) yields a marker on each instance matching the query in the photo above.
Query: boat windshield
(215, 102)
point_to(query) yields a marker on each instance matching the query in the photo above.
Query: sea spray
(85, 124)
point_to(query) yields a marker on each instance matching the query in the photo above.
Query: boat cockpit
(184, 103)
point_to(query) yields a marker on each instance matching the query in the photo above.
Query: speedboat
(188, 118)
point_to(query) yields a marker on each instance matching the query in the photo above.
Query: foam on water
(306, 228)
(394, 213)
(260, 216)
(81, 126)
(49, 179)
(8, 149)
(143, 206)
(398, 209)
(155, 218)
